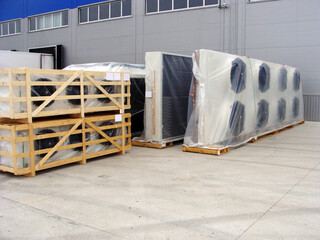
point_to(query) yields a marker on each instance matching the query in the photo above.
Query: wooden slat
(7, 154)
(123, 129)
(7, 139)
(206, 151)
(10, 93)
(60, 163)
(6, 169)
(151, 145)
(14, 152)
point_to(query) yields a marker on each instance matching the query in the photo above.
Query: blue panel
(12, 9)
(43, 6)
(84, 2)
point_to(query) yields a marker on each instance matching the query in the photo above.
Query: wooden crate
(27, 136)
(19, 82)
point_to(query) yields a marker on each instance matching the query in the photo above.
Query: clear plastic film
(168, 78)
(97, 143)
(17, 91)
(235, 99)
(137, 87)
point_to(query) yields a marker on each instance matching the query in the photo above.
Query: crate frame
(75, 122)
(86, 79)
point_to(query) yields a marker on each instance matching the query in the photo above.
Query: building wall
(283, 31)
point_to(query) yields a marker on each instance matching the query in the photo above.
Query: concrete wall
(283, 31)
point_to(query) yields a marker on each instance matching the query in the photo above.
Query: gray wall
(283, 31)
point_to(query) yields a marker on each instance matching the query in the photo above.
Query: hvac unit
(236, 99)
(168, 79)
(224, 108)
(271, 95)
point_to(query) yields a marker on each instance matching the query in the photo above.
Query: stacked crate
(49, 118)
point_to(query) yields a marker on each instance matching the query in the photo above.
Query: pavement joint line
(68, 219)
(265, 213)
(265, 146)
(263, 163)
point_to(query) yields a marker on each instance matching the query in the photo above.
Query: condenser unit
(224, 109)
(168, 79)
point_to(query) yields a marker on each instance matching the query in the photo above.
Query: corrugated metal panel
(312, 107)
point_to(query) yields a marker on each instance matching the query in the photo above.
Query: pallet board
(21, 102)
(152, 145)
(216, 150)
(275, 132)
(21, 141)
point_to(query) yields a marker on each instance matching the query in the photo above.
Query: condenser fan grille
(238, 75)
(46, 142)
(109, 89)
(295, 107)
(263, 113)
(77, 138)
(75, 90)
(296, 80)
(42, 91)
(283, 79)
(264, 77)
(237, 118)
(281, 109)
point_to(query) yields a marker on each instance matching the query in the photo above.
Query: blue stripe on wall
(12, 9)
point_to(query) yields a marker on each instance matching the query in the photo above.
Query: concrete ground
(266, 190)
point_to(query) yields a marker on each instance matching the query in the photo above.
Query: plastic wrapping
(235, 99)
(137, 87)
(109, 127)
(168, 78)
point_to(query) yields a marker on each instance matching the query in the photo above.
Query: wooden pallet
(27, 162)
(272, 133)
(152, 145)
(218, 151)
(18, 82)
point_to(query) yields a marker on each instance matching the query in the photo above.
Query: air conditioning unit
(271, 95)
(224, 108)
(168, 79)
(237, 98)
